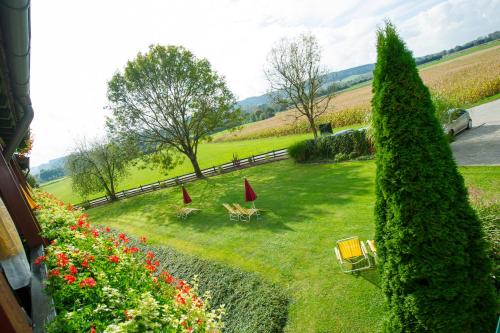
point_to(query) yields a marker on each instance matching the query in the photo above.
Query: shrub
(340, 147)
(434, 267)
(298, 151)
(252, 304)
(101, 283)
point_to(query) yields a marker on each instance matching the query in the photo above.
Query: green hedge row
(337, 147)
(252, 303)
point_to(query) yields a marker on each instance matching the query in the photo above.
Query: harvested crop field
(463, 80)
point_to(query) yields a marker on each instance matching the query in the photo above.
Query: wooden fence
(272, 156)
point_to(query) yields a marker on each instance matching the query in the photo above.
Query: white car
(458, 120)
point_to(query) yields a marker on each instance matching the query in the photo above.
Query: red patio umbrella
(249, 193)
(185, 196)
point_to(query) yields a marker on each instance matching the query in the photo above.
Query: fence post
(141, 188)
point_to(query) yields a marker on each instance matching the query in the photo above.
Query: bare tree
(296, 77)
(98, 166)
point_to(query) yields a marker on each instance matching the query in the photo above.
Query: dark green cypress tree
(433, 262)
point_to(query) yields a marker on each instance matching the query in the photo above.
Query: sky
(76, 46)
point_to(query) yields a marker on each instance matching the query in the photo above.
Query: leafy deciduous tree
(170, 100)
(435, 271)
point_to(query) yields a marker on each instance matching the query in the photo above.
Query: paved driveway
(481, 144)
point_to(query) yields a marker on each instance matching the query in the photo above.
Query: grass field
(310, 206)
(464, 78)
(209, 154)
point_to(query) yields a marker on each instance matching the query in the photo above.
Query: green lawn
(310, 206)
(209, 154)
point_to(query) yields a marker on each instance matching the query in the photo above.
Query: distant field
(209, 154)
(467, 77)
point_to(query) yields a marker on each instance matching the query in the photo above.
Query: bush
(435, 271)
(340, 147)
(299, 150)
(251, 303)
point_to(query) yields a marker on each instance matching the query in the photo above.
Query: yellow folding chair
(372, 247)
(233, 213)
(351, 251)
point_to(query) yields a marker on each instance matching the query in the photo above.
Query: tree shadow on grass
(371, 275)
(289, 195)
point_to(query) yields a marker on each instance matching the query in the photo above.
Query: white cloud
(77, 45)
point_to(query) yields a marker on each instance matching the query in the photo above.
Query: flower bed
(100, 283)
(253, 304)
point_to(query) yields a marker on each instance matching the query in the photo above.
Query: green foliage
(340, 147)
(252, 304)
(489, 214)
(299, 151)
(433, 261)
(31, 180)
(441, 106)
(51, 174)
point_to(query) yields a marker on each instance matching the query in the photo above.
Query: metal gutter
(15, 25)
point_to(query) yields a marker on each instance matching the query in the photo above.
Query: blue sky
(78, 45)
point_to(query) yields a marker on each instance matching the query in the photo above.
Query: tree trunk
(111, 191)
(312, 125)
(196, 166)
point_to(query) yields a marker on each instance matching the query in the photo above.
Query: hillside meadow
(463, 78)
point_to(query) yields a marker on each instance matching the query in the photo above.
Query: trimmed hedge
(348, 145)
(252, 304)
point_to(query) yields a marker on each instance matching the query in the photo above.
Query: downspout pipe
(15, 24)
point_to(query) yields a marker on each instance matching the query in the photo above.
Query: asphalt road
(480, 145)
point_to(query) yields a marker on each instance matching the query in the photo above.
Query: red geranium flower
(123, 237)
(88, 282)
(179, 299)
(142, 239)
(62, 260)
(54, 272)
(150, 255)
(167, 277)
(69, 278)
(150, 268)
(127, 316)
(133, 249)
(108, 229)
(95, 233)
(73, 227)
(73, 270)
(39, 260)
(114, 259)
(92, 329)
(85, 263)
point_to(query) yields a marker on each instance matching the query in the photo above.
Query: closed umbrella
(249, 192)
(185, 196)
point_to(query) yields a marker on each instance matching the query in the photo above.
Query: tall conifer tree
(435, 271)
